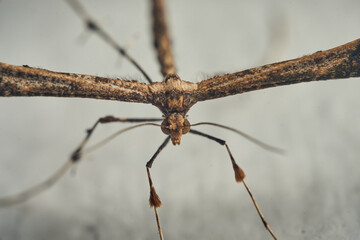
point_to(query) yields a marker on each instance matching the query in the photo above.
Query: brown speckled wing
(27, 81)
(336, 63)
(161, 38)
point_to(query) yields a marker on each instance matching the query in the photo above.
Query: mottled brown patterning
(337, 63)
(27, 81)
(176, 96)
(173, 96)
(162, 40)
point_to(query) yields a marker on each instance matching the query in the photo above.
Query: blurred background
(312, 192)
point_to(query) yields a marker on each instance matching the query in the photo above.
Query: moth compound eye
(165, 127)
(186, 127)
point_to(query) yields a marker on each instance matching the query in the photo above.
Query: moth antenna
(246, 136)
(74, 158)
(111, 137)
(37, 189)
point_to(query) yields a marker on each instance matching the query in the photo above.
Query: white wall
(312, 192)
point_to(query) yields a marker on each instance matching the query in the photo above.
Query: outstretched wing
(336, 63)
(28, 81)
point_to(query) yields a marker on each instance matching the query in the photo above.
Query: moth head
(175, 125)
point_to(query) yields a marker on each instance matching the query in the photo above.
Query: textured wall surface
(312, 192)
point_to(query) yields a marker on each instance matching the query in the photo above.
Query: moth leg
(76, 155)
(74, 158)
(154, 199)
(93, 26)
(239, 177)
